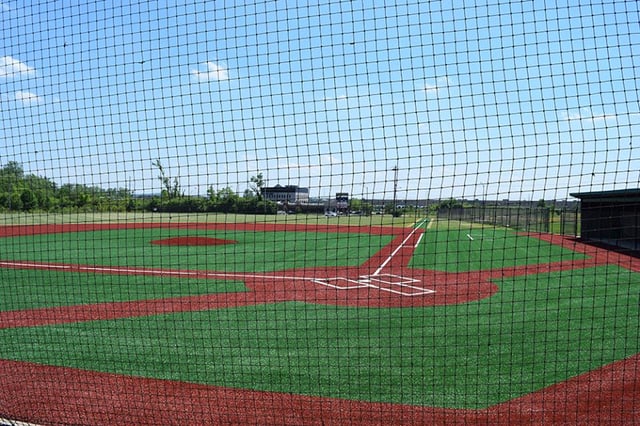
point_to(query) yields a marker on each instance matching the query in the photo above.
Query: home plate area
(397, 284)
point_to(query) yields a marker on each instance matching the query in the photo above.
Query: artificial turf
(537, 330)
(253, 252)
(467, 248)
(31, 289)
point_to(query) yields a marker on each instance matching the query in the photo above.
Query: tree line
(21, 192)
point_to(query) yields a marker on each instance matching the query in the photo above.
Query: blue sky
(508, 100)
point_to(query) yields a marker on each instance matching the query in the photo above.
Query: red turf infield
(70, 396)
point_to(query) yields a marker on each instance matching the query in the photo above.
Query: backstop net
(319, 212)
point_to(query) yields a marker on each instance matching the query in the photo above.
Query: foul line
(143, 271)
(379, 270)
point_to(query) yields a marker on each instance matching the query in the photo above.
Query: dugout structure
(611, 218)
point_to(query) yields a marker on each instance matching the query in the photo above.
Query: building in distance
(289, 194)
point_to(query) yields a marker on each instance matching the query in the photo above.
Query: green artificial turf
(536, 331)
(253, 252)
(472, 248)
(30, 289)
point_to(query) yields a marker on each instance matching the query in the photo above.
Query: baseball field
(313, 323)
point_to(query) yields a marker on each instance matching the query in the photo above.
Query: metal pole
(395, 191)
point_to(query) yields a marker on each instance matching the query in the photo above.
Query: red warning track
(608, 395)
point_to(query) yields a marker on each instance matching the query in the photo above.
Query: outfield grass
(536, 331)
(461, 247)
(253, 252)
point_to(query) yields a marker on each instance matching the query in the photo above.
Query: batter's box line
(396, 279)
(328, 283)
(382, 282)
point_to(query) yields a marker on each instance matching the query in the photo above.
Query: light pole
(365, 206)
(484, 200)
(395, 191)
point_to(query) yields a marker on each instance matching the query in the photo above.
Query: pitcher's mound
(192, 241)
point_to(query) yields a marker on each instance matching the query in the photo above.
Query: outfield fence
(336, 212)
(520, 217)
(570, 221)
(534, 219)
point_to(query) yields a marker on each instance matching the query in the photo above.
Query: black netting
(334, 212)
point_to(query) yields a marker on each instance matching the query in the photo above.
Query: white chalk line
(420, 222)
(396, 280)
(384, 264)
(144, 271)
(4, 421)
(378, 282)
(327, 282)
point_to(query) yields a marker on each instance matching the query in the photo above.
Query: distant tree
(358, 205)
(28, 192)
(257, 183)
(11, 176)
(171, 189)
(224, 200)
(12, 169)
(366, 208)
(29, 200)
(15, 201)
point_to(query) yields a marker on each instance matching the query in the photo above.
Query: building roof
(620, 195)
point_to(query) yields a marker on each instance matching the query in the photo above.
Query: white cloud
(11, 67)
(430, 88)
(585, 116)
(572, 116)
(336, 98)
(329, 159)
(27, 98)
(214, 72)
(434, 88)
(603, 117)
